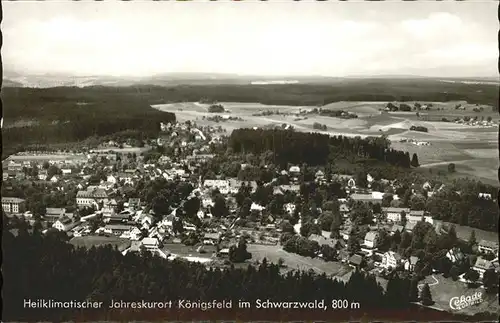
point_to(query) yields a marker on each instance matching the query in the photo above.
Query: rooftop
(356, 259)
(395, 209)
(483, 263)
(12, 200)
(487, 243)
(371, 236)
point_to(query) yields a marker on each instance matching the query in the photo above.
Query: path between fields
(446, 163)
(420, 286)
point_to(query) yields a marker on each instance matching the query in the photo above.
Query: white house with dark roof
(211, 238)
(65, 224)
(370, 239)
(151, 244)
(390, 259)
(409, 264)
(369, 242)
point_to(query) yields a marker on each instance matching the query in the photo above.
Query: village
(106, 213)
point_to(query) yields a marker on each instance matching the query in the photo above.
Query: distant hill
(57, 80)
(11, 83)
(16, 79)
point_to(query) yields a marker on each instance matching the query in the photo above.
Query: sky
(144, 38)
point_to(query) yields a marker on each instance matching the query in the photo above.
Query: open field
(188, 251)
(137, 150)
(297, 262)
(446, 289)
(473, 149)
(463, 232)
(483, 169)
(42, 157)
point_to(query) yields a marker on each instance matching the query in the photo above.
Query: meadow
(474, 149)
(463, 232)
(292, 261)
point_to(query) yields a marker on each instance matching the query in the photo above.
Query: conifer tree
(472, 239)
(425, 296)
(413, 297)
(414, 161)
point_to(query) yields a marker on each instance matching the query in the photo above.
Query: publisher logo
(458, 303)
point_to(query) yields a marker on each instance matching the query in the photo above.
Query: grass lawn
(294, 261)
(447, 289)
(463, 232)
(182, 250)
(435, 153)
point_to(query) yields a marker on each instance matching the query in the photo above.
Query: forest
(46, 267)
(71, 114)
(460, 203)
(61, 115)
(310, 93)
(313, 148)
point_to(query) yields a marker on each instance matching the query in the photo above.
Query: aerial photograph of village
(250, 161)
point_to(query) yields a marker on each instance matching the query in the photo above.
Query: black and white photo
(249, 160)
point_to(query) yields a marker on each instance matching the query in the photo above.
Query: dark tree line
(419, 128)
(460, 203)
(47, 267)
(313, 148)
(316, 93)
(337, 114)
(288, 146)
(60, 115)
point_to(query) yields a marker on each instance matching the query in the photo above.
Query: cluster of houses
(392, 260)
(415, 142)
(17, 169)
(476, 123)
(145, 231)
